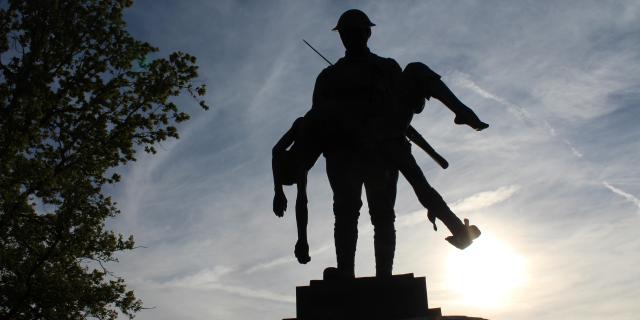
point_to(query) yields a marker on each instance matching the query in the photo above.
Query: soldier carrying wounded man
(299, 148)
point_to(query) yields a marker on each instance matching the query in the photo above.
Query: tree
(76, 100)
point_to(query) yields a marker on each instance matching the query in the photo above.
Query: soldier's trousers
(348, 172)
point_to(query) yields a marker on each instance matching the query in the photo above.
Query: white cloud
(288, 259)
(201, 278)
(485, 199)
(210, 279)
(627, 196)
(474, 202)
(464, 80)
(251, 293)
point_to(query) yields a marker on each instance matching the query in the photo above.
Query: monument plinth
(399, 297)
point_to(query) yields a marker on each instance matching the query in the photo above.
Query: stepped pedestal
(401, 297)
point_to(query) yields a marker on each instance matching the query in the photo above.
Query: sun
(486, 273)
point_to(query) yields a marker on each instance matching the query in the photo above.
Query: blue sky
(553, 183)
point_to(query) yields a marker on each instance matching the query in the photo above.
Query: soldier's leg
(346, 183)
(463, 234)
(427, 195)
(380, 185)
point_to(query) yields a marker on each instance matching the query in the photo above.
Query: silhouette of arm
(302, 217)
(302, 212)
(464, 115)
(279, 198)
(417, 138)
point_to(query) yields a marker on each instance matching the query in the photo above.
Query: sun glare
(486, 273)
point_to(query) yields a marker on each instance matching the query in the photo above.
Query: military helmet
(353, 18)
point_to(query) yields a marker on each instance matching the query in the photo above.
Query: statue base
(400, 297)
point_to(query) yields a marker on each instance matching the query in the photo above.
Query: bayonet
(320, 54)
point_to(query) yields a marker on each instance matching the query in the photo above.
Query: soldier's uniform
(361, 91)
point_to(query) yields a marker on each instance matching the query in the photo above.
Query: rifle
(412, 133)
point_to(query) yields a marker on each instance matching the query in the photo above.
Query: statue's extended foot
(465, 237)
(335, 274)
(302, 252)
(472, 121)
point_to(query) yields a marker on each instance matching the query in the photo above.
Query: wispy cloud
(210, 279)
(464, 80)
(485, 199)
(251, 293)
(202, 277)
(289, 259)
(573, 149)
(627, 196)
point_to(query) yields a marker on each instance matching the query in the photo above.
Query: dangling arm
(302, 217)
(279, 199)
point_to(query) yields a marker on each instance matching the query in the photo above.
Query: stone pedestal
(401, 297)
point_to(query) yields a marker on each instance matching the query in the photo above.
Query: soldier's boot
(463, 234)
(346, 238)
(335, 274)
(384, 260)
(344, 271)
(385, 246)
(463, 238)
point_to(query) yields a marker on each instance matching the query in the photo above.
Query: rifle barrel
(320, 54)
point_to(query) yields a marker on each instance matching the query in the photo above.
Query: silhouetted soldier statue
(361, 120)
(364, 86)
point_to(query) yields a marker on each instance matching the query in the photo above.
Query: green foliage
(77, 97)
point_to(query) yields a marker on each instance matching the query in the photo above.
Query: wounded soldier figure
(299, 148)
